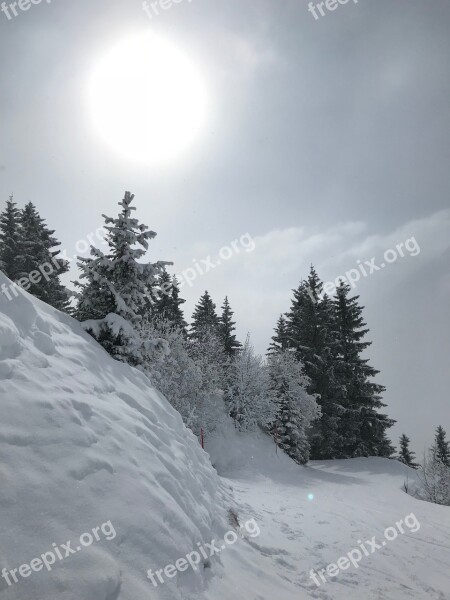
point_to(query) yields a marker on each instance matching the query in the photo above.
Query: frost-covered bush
(248, 395)
(434, 476)
(189, 375)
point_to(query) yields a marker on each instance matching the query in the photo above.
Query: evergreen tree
(280, 341)
(248, 395)
(204, 318)
(210, 359)
(177, 312)
(406, 455)
(295, 408)
(326, 336)
(118, 292)
(306, 332)
(10, 240)
(167, 305)
(442, 447)
(311, 334)
(36, 256)
(162, 306)
(226, 329)
(362, 428)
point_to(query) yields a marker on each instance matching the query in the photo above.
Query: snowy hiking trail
(353, 500)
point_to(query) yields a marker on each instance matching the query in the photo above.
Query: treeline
(313, 391)
(29, 255)
(135, 311)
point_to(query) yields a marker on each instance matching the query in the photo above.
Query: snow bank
(247, 455)
(85, 440)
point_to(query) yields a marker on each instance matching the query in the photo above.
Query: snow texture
(310, 516)
(84, 440)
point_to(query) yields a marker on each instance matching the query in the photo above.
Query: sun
(147, 100)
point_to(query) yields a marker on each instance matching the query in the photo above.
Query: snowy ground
(310, 517)
(86, 441)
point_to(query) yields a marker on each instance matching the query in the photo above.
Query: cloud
(251, 53)
(259, 283)
(288, 253)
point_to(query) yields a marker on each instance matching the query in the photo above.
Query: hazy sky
(327, 141)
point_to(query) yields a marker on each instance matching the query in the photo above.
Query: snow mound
(250, 455)
(87, 441)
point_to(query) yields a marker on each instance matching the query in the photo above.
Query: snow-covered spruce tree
(205, 338)
(406, 456)
(280, 341)
(10, 237)
(204, 318)
(177, 314)
(117, 291)
(311, 334)
(296, 409)
(162, 305)
(248, 397)
(206, 349)
(226, 330)
(328, 389)
(167, 305)
(209, 357)
(442, 446)
(35, 250)
(362, 429)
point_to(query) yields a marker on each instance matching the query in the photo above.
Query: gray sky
(326, 141)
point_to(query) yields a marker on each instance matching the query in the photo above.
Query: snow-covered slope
(310, 517)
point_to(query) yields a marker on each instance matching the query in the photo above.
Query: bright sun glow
(146, 99)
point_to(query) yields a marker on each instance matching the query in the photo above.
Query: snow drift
(86, 440)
